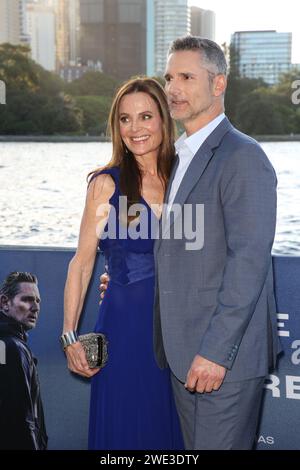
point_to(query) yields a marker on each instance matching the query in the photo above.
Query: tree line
(40, 102)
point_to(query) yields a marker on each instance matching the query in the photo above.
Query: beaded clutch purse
(95, 347)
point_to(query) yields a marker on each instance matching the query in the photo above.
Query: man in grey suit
(214, 318)
(215, 314)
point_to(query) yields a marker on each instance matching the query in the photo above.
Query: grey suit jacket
(218, 301)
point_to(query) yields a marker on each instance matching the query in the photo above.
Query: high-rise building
(41, 29)
(203, 23)
(62, 33)
(74, 31)
(24, 37)
(150, 54)
(113, 33)
(67, 34)
(10, 21)
(171, 20)
(262, 54)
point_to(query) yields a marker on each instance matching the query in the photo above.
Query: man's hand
(104, 280)
(204, 375)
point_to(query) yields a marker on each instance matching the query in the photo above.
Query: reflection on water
(42, 191)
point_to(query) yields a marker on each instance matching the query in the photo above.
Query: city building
(74, 32)
(24, 37)
(113, 33)
(203, 23)
(62, 33)
(262, 54)
(10, 21)
(150, 39)
(73, 72)
(41, 29)
(170, 19)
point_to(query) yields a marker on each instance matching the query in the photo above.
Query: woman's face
(140, 124)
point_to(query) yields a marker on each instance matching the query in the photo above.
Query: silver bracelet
(68, 338)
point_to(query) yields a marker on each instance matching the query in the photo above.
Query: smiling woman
(148, 143)
(132, 406)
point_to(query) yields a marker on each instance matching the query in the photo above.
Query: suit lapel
(198, 164)
(194, 171)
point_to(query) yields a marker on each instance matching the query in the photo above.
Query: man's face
(192, 87)
(25, 306)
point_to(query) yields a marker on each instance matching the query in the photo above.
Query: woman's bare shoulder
(101, 187)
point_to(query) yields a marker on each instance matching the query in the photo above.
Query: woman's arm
(82, 264)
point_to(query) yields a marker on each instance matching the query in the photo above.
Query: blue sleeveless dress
(132, 405)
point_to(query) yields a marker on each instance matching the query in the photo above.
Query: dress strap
(114, 172)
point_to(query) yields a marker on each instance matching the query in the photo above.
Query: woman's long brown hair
(130, 171)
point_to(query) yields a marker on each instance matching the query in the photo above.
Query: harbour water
(43, 185)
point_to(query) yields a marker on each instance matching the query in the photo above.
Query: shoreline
(96, 138)
(54, 138)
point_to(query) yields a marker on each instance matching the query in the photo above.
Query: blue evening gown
(132, 405)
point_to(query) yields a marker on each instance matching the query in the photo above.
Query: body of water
(43, 186)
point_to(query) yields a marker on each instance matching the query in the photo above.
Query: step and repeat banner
(66, 396)
(280, 416)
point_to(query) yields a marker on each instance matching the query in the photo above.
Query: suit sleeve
(248, 198)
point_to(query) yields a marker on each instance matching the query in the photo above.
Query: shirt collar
(194, 141)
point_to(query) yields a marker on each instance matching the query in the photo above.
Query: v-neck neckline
(147, 204)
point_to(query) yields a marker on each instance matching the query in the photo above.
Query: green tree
(92, 84)
(35, 100)
(238, 87)
(285, 91)
(95, 111)
(264, 112)
(284, 86)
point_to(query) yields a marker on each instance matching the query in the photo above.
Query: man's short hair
(10, 287)
(211, 51)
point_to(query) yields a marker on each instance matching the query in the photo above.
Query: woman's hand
(77, 360)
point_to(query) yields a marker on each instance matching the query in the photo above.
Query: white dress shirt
(186, 148)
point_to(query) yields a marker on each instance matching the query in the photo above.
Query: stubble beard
(191, 115)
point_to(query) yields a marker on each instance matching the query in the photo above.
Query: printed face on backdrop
(25, 306)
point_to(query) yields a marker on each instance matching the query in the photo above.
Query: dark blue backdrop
(66, 396)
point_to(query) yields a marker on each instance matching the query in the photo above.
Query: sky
(240, 15)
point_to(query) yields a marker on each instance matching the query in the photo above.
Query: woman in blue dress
(131, 406)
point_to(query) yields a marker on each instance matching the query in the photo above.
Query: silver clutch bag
(95, 347)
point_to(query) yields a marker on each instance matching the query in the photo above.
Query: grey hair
(211, 51)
